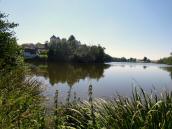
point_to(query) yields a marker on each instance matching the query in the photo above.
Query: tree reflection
(168, 69)
(69, 73)
(145, 67)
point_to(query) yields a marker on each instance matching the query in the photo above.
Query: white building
(30, 53)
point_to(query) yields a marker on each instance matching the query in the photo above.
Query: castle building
(54, 39)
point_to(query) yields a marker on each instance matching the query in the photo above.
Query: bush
(20, 101)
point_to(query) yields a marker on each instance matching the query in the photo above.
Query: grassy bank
(20, 101)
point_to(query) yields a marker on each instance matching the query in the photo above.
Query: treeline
(166, 60)
(72, 50)
(123, 59)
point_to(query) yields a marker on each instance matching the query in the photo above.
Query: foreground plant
(20, 99)
(141, 111)
(20, 102)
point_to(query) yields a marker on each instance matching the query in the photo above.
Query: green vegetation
(21, 103)
(146, 60)
(166, 60)
(71, 50)
(123, 59)
(20, 99)
(10, 52)
(141, 111)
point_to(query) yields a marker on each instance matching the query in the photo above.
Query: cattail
(90, 93)
(56, 121)
(69, 95)
(75, 98)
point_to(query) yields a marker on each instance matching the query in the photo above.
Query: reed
(20, 101)
(141, 111)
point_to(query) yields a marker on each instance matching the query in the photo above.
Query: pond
(73, 80)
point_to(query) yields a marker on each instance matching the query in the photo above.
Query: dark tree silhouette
(71, 38)
(72, 50)
(10, 52)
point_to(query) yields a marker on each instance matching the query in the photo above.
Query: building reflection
(69, 73)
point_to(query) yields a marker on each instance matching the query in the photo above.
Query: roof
(53, 37)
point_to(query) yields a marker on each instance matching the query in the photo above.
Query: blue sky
(130, 28)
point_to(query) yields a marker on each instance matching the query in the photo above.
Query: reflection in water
(144, 66)
(72, 80)
(168, 69)
(70, 73)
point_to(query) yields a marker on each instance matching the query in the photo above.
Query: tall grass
(20, 101)
(141, 111)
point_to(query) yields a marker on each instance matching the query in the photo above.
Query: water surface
(106, 79)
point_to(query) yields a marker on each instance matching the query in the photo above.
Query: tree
(145, 59)
(10, 52)
(18, 95)
(123, 59)
(71, 38)
(166, 60)
(72, 50)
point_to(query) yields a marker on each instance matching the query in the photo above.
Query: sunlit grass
(20, 102)
(141, 111)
